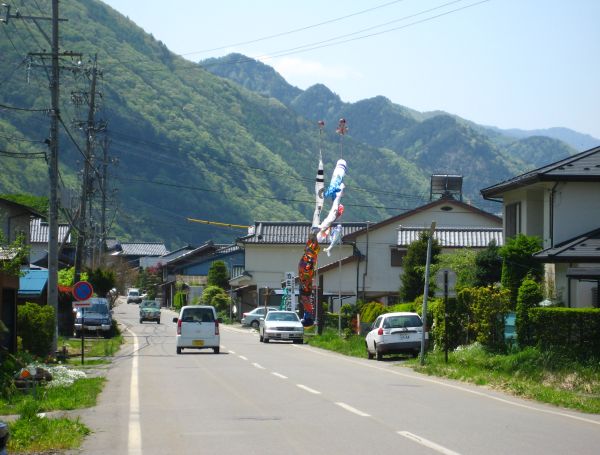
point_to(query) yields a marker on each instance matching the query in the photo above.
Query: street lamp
(426, 291)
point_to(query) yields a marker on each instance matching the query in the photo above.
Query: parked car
(4, 436)
(96, 318)
(281, 325)
(395, 333)
(150, 311)
(134, 295)
(252, 318)
(197, 328)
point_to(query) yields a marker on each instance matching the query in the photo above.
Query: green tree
(518, 262)
(66, 277)
(217, 297)
(488, 265)
(462, 262)
(218, 275)
(530, 295)
(17, 253)
(413, 278)
(102, 280)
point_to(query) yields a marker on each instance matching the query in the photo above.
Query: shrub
(179, 300)
(575, 332)
(518, 262)
(458, 321)
(371, 311)
(487, 307)
(35, 326)
(402, 307)
(530, 294)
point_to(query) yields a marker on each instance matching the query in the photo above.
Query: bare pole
(426, 291)
(53, 177)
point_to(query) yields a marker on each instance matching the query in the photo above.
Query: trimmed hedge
(575, 331)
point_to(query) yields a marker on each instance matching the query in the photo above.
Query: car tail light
(179, 327)
(216, 327)
(380, 331)
(244, 315)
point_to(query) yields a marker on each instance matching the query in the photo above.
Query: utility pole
(426, 291)
(104, 189)
(86, 181)
(53, 146)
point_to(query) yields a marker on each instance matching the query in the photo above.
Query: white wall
(576, 209)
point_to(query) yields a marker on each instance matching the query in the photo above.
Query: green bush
(402, 308)
(35, 326)
(530, 294)
(487, 307)
(217, 297)
(458, 321)
(572, 331)
(332, 320)
(179, 300)
(518, 262)
(371, 311)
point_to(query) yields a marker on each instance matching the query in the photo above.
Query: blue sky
(508, 63)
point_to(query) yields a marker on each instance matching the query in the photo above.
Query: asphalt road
(280, 398)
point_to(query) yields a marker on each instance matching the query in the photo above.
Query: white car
(197, 328)
(395, 333)
(252, 318)
(281, 325)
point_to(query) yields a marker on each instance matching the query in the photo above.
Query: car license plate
(198, 343)
(404, 337)
(285, 335)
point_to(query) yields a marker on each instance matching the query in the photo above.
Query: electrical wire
(27, 155)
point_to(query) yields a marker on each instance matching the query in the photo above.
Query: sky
(524, 64)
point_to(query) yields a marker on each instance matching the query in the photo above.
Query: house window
(397, 257)
(513, 219)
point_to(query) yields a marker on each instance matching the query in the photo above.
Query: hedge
(575, 331)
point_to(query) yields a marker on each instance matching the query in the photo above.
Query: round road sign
(82, 290)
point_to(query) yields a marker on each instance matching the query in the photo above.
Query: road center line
(427, 443)
(134, 440)
(259, 366)
(308, 389)
(242, 357)
(349, 408)
(231, 352)
(279, 375)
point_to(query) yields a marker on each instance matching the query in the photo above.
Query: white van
(197, 328)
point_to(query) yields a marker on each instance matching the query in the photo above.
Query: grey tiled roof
(584, 248)
(454, 237)
(584, 166)
(40, 231)
(143, 249)
(290, 232)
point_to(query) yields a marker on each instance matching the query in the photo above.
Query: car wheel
(378, 354)
(158, 321)
(370, 355)
(265, 340)
(179, 350)
(260, 338)
(254, 324)
(216, 350)
(141, 320)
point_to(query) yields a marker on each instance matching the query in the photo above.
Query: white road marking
(427, 443)
(416, 377)
(242, 357)
(279, 375)
(134, 441)
(308, 389)
(349, 408)
(231, 352)
(259, 366)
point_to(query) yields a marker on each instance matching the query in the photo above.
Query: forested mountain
(185, 142)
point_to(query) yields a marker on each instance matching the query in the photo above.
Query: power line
(289, 32)
(12, 138)
(29, 155)
(24, 109)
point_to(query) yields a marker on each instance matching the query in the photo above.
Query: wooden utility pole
(86, 181)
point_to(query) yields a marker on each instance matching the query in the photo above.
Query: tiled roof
(584, 166)
(454, 237)
(40, 231)
(585, 248)
(143, 249)
(290, 232)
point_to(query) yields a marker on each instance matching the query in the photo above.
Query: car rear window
(198, 315)
(272, 316)
(398, 322)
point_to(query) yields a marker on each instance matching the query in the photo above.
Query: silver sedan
(281, 325)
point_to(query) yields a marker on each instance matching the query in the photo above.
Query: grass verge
(93, 347)
(37, 434)
(547, 377)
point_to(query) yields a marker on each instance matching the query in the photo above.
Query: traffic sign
(82, 290)
(440, 281)
(82, 304)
